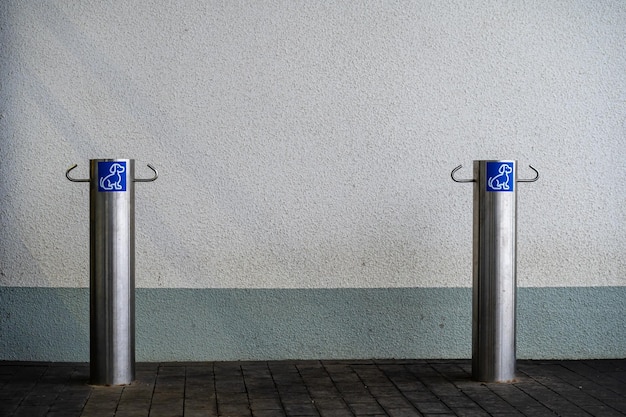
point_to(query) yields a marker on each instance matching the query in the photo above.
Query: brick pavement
(327, 388)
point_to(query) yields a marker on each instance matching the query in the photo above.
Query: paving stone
(538, 411)
(323, 392)
(268, 413)
(198, 413)
(190, 411)
(471, 412)
(67, 413)
(310, 388)
(9, 405)
(396, 401)
(139, 412)
(331, 404)
(458, 400)
(167, 399)
(224, 398)
(366, 408)
(498, 407)
(336, 413)
(200, 393)
(266, 404)
(618, 404)
(260, 394)
(603, 411)
(300, 409)
(403, 412)
(66, 407)
(163, 411)
(432, 407)
(297, 398)
(40, 398)
(440, 415)
(292, 389)
(420, 396)
(230, 385)
(100, 405)
(31, 411)
(206, 403)
(231, 409)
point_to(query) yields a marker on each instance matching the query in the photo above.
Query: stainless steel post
(494, 260)
(112, 270)
(494, 269)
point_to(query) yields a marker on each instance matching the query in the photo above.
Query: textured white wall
(309, 144)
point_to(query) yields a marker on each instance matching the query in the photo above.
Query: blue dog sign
(500, 176)
(111, 176)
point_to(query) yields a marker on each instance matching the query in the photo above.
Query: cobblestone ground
(396, 388)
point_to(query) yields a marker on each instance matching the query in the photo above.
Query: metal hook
(156, 175)
(67, 175)
(457, 180)
(532, 179)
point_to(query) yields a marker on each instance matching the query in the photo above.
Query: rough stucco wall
(309, 144)
(304, 206)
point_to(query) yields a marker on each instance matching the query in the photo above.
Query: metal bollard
(494, 269)
(112, 269)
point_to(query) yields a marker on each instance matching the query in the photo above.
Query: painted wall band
(52, 324)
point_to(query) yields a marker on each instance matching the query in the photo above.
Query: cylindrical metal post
(494, 271)
(112, 271)
(112, 268)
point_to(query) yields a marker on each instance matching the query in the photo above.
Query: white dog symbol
(113, 181)
(500, 181)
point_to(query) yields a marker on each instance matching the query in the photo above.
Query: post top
(110, 159)
(495, 160)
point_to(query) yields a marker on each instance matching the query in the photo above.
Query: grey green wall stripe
(228, 324)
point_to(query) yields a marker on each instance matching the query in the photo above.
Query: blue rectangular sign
(111, 176)
(500, 176)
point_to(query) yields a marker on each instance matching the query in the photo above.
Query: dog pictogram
(502, 181)
(113, 181)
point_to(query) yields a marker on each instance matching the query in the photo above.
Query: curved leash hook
(67, 175)
(459, 180)
(156, 175)
(531, 179)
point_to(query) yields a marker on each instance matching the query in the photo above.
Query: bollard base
(490, 372)
(494, 380)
